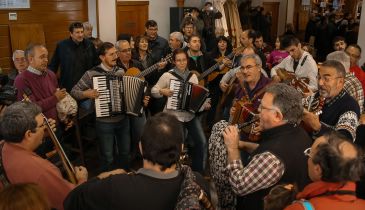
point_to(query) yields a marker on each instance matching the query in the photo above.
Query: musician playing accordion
(109, 127)
(191, 122)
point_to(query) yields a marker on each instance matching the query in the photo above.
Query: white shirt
(164, 82)
(306, 68)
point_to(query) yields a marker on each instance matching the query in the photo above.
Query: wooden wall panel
(5, 48)
(54, 15)
(131, 17)
(20, 40)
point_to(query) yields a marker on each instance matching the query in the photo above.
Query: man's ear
(101, 57)
(27, 136)
(279, 116)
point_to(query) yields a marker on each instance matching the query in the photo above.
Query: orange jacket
(315, 193)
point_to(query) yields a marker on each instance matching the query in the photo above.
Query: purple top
(275, 57)
(43, 88)
(251, 93)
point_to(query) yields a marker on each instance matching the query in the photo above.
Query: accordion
(186, 96)
(119, 95)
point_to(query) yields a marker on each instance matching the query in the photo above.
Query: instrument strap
(259, 93)
(301, 64)
(180, 78)
(3, 177)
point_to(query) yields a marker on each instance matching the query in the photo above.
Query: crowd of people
(281, 128)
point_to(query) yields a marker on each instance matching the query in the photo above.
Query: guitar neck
(153, 67)
(148, 70)
(214, 67)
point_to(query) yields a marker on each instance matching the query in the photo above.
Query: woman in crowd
(190, 121)
(222, 49)
(277, 55)
(141, 53)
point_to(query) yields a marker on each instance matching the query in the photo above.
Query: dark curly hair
(335, 167)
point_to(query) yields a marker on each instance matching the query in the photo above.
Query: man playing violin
(340, 111)
(23, 128)
(279, 156)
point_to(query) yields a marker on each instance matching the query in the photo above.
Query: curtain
(221, 23)
(234, 23)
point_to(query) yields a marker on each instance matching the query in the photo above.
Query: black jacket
(74, 60)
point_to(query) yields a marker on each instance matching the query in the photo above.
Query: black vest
(287, 143)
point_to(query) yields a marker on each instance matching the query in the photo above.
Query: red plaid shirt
(263, 171)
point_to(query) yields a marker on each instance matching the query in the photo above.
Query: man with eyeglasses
(279, 156)
(20, 63)
(251, 82)
(126, 62)
(354, 51)
(352, 84)
(23, 128)
(340, 111)
(334, 165)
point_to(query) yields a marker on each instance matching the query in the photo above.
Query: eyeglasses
(42, 125)
(248, 67)
(353, 55)
(261, 107)
(19, 60)
(126, 50)
(307, 152)
(327, 78)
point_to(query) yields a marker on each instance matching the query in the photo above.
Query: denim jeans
(136, 129)
(109, 134)
(199, 150)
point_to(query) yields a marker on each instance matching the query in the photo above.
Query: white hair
(17, 52)
(341, 57)
(178, 35)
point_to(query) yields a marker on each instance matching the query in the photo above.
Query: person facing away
(159, 184)
(334, 165)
